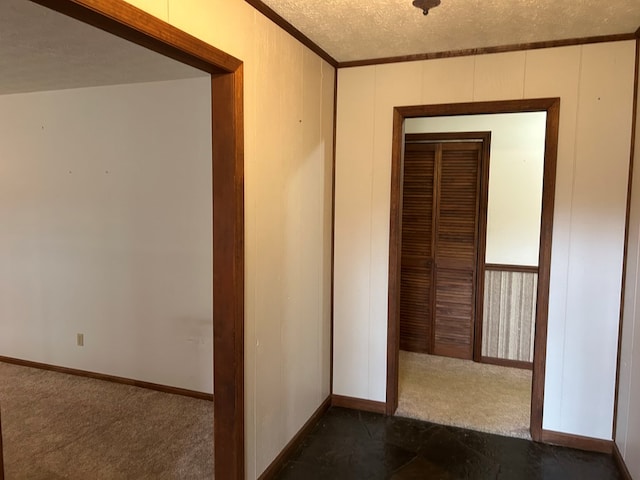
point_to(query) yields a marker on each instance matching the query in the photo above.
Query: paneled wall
(595, 84)
(628, 422)
(509, 313)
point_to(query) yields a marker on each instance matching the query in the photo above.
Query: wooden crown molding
(293, 31)
(487, 50)
(129, 22)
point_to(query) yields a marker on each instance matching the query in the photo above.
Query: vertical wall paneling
(565, 82)
(499, 77)
(352, 256)
(447, 80)
(595, 108)
(593, 294)
(628, 421)
(393, 86)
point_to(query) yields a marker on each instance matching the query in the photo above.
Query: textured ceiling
(43, 50)
(351, 30)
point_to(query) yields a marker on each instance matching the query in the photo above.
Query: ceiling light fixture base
(425, 5)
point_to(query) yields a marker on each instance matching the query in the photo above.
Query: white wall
(515, 179)
(628, 422)
(105, 207)
(288, 102)
(595, 83)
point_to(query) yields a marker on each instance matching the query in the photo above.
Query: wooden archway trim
(126, 21)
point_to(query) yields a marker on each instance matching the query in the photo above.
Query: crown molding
(293, 31)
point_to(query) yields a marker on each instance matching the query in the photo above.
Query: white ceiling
(43, 50)
(351, 30)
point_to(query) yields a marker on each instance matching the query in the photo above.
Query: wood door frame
(552, 107)
(130, 23)
(483, 137)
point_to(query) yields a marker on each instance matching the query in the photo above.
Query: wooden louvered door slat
(417, 252)
(456, 249)
(439, 247)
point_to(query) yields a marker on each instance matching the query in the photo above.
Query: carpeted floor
(58, 426)
(461, 393)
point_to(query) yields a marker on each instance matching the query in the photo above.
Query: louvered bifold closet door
(416, 297)
(455, 232)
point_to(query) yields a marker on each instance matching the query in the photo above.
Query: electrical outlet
(80, 339)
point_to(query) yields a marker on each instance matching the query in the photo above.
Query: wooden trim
(499, 267)
(552, 107)
(276, 18)
(544, 266)
(622, 466)
(228, 273)
(634, 119)
(476, 108)
(441, 137)
(482, 246)
(287, 452)
(489, 50)
(504, 362)
(395, 259)
(637, 34)
(128, 22)
(358, 404)
(109, 378)
(578, 442)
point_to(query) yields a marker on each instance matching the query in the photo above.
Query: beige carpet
(462, 393)
(58, 426)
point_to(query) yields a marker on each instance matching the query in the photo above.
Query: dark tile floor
(348, 444)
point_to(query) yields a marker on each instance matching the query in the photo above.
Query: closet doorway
(461, 296)
(444, 186)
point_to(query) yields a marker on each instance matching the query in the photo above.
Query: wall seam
(371, 215)
(570, 223)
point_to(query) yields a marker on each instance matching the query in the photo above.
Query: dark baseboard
(109, 378)
(622, 467)
(358, 404)
(576, 441)
(503, 362)
(293, 444)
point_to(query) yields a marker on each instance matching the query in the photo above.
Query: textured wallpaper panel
(509, 315)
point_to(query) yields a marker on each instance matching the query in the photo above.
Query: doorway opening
(463, 336)
(123, 20)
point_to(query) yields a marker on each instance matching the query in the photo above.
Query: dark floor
(348, 444)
